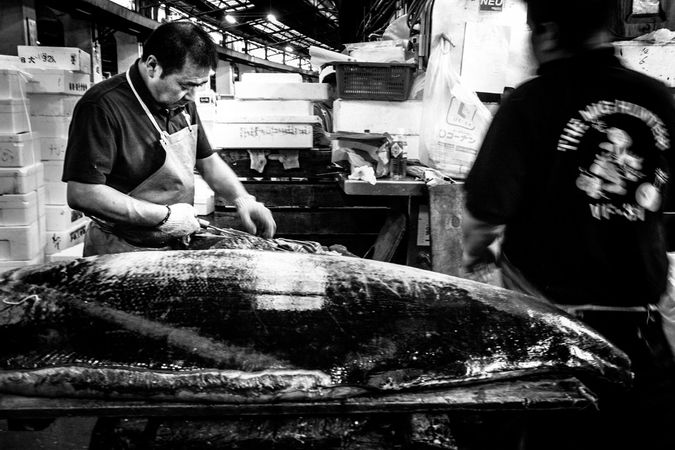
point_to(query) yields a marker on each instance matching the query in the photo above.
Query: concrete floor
(63, 434)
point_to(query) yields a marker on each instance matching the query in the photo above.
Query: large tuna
(251, 326)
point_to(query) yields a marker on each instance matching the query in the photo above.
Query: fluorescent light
(230, 19)
(271, 17)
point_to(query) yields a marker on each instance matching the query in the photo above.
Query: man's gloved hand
(181, 221)
(255, 217)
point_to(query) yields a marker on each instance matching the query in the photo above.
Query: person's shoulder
(104, 90)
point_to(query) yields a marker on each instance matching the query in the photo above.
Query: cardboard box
(53, 148)
(52, 104)
(61, 240)
(262, 135)
(63, 58)
(18, 149)
(21, 180)
(51, 126)
(280, 91)
(14, 116)
(60, 217)
(18, 209)
(20, 242)
(46, 81)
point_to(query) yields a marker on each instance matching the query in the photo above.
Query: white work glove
(180, 221)
(255, 217)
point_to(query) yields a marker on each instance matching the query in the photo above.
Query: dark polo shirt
(112, 141)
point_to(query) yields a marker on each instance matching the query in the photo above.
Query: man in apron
(134, 142)
(574, 174)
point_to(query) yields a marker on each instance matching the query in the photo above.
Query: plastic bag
(454, 120)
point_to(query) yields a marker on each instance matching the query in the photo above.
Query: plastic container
(398, 158)
(374, 81)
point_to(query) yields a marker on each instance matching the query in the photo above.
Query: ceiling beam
(109, 14)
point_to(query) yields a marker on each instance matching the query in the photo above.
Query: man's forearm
(110, 204)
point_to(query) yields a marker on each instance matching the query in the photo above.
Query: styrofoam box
(655, 60)
(12, 264)
(18, 149)
(11, 84)
(53, 170)
(66, 58)
(280, 91)
(204, 198)
(56, 192)
(377, 116)
(51, 126)
(61, 240)
(229, 108)
(52, 104)
(18, 209)
(271, 77)
(21, 180)
(41, 199)
(267, 119)
(20, 242)
(48, 81)
(53, 148)
(60, 217)
(69, 254)
(14, 116)
(262, 135)
(42, 228)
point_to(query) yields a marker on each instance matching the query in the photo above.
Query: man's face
(177, 89)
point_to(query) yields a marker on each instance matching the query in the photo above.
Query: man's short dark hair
(577, 20)
(173, 43)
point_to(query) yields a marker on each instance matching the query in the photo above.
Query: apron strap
(145, 108)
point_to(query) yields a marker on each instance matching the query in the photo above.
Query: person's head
(177, 58)
(563, 28)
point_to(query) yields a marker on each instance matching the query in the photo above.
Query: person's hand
(255, 217)
(479, 268)
(181, 221)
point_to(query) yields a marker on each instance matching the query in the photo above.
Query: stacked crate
(60, 76)
(21, 174)
(269, 110)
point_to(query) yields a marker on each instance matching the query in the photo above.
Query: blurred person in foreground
(574, 174)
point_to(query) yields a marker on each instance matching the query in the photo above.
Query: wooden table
(407, 195)
(411, 420)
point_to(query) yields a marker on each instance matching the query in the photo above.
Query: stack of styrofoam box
(380, 117)
(269, 110)
(21, 175)
(60, 76)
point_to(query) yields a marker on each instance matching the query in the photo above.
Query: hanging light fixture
(230, 19)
